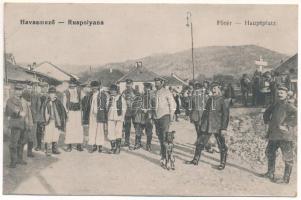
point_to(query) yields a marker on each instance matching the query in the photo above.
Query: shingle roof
(174, 80)
(17, 73)
(291, 63)
(139, 74)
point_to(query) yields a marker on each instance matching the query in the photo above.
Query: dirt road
(139, 173)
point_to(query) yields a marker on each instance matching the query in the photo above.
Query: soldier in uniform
(144, 117)
(282, 120)
(38, 99)
(244, 85)
(148, 96)
(164, 106)
(15, 113)
(28, 119)
(214, 121)
(199, 99)
(129, 95)
(72, 101)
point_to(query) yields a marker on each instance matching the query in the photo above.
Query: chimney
(139, 66)
(34, 64)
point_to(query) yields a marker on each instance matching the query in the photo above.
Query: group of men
(263, 87)
(45, 115)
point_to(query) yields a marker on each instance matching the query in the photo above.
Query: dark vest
(118, 105)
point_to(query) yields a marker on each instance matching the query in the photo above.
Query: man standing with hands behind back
(165, 107)
(281, 118)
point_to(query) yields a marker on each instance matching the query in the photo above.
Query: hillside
(234, 60)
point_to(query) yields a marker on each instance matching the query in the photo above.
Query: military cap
(18, 87)
(198, 84)
(282, 87)
(94, 84)
(205, 81)
(213, 84)
(159, 79)
(114, 87)
(128, 81)
(26, 95)
(52, 89)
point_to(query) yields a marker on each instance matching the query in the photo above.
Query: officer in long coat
(15, 113)
(281, 118)
(38, 99)
(214, 121)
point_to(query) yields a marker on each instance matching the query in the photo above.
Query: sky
(135, 31)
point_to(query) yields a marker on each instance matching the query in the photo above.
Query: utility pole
(189, 24)
(4, 60)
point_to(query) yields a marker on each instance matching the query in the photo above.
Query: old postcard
(150, 99)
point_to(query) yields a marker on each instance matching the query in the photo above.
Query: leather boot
(223, 160)
(137, 145)
(91, 148)
(69, 148)
(287, 172)
(113, 147)
(20, 155)
(271, 169)
(118, 144)
(126, 141)
(29, 149)
(38, 148)
(48, 149)
(99, 148)
(55, 148)
(79, 147)
(148, 143)
(13, 157)
(196, 158)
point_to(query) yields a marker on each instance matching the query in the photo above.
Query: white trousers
(115, 129)
(96, 131)
(74, 133)
(52, 134)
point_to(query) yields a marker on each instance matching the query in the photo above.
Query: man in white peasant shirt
(164, 106)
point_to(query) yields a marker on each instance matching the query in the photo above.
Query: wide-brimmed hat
(94, 84)
(114, 87)
(73, 81)
(18, 87)
(52, 89)
(129, 81)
